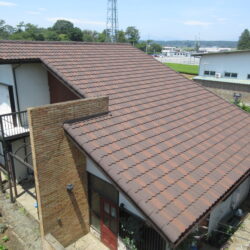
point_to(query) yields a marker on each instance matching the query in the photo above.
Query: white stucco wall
(6, 78)
(6, 75)
(4, 100)
(128, 205)
(232, 202)
(32, 85)
(221, 63)
(93, 169)
(20, 170)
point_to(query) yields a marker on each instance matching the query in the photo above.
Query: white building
(226, 73)
(228, 65)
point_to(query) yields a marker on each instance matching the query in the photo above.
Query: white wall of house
(128, 205)
(32, 85)
(20, 169)
(93, 169)
(221, 63)
(6, 78)
(6, 74)
(226, 207)
(4, 100)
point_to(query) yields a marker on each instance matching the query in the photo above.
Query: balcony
(13, 125)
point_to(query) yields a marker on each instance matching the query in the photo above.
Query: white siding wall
(32, 85)
(234, 63)
(224, 208)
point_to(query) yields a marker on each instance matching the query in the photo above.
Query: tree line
(244, 40)
(64, 30)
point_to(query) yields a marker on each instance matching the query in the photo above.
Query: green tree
(121, 37)
(50, 35)
(155, 48)
(244, 40)
(90, 36)
(102, 37)
(132, 34)
(63, 27)
(33, 32)
(5, 30)
(75, 34)
(142, 46)
(28, 32)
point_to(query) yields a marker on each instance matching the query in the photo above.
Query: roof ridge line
(60, 42)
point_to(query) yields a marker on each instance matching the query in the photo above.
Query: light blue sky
(156, 19)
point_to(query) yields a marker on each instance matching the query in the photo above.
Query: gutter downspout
(15, 86)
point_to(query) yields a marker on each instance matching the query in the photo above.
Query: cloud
(7, 4)
(221, 20)
(34, 12)
(197, 23)
(42, 9)
(77, 21)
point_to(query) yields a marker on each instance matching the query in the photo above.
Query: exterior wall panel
(226, 207)
(57, 163)
(32, 85)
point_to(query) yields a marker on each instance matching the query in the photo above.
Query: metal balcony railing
(13, 124)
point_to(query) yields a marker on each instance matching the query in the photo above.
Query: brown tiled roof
(174, 147)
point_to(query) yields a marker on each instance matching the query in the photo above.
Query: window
(209, 73)
(248, 76)
(97, 189)
(232, 75)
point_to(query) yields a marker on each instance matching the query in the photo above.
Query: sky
(157, 19)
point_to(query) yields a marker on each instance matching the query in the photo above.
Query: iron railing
(13, 124)
(136, 234)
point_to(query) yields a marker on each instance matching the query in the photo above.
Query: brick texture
(57, 162)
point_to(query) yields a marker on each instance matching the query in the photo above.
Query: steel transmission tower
(112, 21)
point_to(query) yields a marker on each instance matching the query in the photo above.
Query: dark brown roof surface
(172, 146)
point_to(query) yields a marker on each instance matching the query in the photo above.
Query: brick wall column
(57, 162)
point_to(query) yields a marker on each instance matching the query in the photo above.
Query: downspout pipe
(15, 85)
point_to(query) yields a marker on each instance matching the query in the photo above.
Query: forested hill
(189, 43)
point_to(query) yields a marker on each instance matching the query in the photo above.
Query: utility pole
(112, 22)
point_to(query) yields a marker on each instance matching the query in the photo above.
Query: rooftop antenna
(112, 22)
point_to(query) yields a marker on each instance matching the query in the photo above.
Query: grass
(244, 107)
(2, 247)
(184, 68)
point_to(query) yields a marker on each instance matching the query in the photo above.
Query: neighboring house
(226, 73)
(124, 147)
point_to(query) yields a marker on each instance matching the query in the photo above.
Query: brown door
(109, 224)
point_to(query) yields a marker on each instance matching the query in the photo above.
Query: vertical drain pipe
(15, 86)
